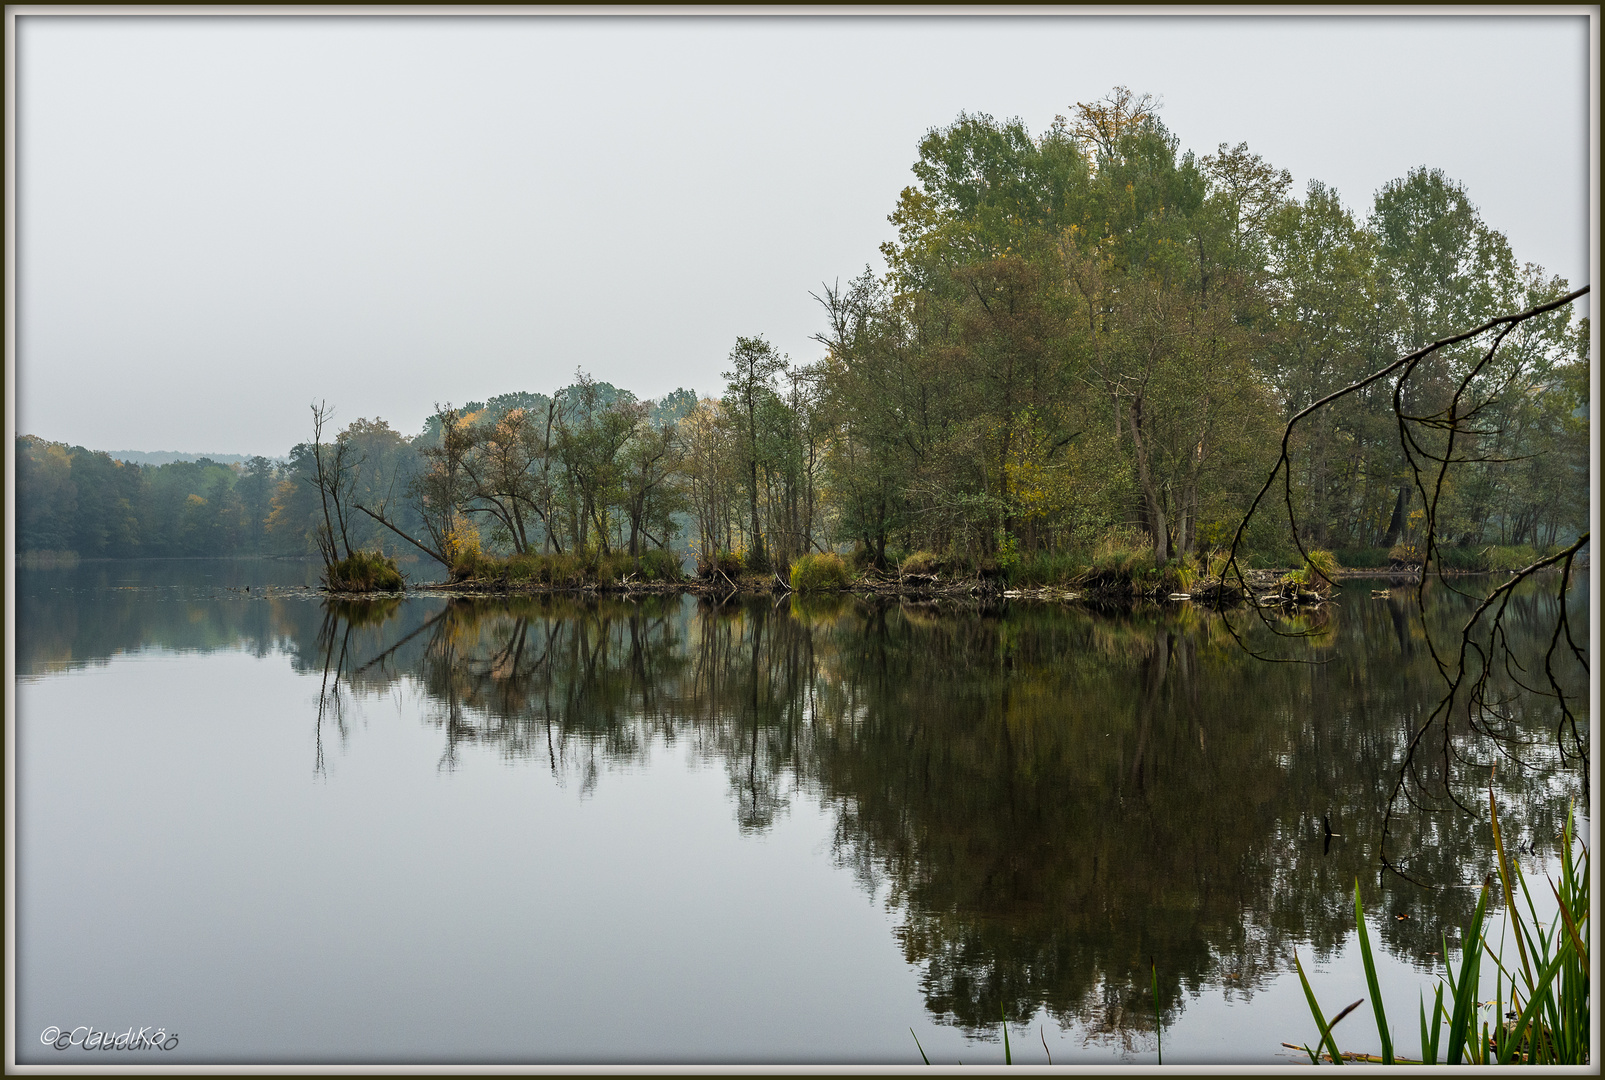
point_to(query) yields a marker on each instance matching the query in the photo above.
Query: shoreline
(960, 590)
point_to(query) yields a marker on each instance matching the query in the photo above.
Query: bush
(921, 562)
(1150, 579)
(728, 563)
(1130, 573)
(657, 564)
(818, 573)
(1319, 565)
(1120, 546)
(524, 568)
(473, 565)
(364, 571)
(562, 571)
(609, 569)
(1405, 553)
(1213, 563)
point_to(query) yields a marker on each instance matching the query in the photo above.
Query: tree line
(1083, 337)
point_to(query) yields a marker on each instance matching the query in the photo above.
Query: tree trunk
(1396, 526)
(1150, 493)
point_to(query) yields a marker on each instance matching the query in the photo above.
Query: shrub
(728, 563)
(1318, 559)
(1180, 575)
(612, 568)
(526, 567)
(1405, 552)
(364, 571)
(1120, 545)
(818, 573)
(562, 570)
(473, 565)
(921, 562)
(1213, 563)
(657, 564)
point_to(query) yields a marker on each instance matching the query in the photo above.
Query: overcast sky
(222, 219)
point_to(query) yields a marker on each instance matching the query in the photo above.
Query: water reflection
(1053, 800)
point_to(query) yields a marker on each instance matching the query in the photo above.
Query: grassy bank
(567, 571)
(1119, 568)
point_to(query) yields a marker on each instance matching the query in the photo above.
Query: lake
(286, 829)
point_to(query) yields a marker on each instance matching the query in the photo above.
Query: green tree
(754, 364)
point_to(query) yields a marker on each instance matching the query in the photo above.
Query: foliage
(1083, 330)
(728, 563)
(363, 571)
(1047, 568)
(818, 573)
(568, 570)
(658, 565)
(1317, 573)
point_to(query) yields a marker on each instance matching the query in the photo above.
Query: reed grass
(818, 573)
(1159, 1035)
(1548, 990)
(364, 571)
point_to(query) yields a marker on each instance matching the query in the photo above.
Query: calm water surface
(293, 830)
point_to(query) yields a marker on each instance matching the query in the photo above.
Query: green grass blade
(1371, 978)
(1429, 1050)
(921, 1048)
(1462, 1024)
(1505, 876)
(1536, 1003)
(1428, 1057)
(1008, 1058)
(1571, 926)
(1315, 1010)
(1159, 1034)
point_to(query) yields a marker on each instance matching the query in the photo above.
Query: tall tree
(754, 363)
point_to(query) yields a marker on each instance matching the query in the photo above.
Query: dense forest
(1083, 337)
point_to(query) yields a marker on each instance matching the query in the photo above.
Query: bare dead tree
(336, 467)
(1432, 442)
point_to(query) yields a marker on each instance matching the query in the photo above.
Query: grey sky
(222, 219)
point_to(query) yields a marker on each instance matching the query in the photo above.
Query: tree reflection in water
(1052, 798)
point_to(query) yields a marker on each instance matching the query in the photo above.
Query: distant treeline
(70, 498)
(1084, 336)
(167, 457)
